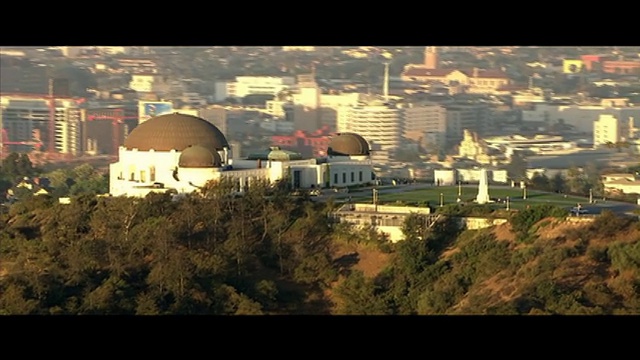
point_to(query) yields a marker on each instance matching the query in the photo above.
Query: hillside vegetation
(267, 253)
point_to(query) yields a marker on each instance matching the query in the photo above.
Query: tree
(517, 168)
(83, 171)
(361, 296)
(10, 165)
(24, 166)
(540, 181)
(593, 179)
(577, 181)
(558, 183)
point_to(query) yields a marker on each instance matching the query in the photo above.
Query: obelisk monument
(483, 188)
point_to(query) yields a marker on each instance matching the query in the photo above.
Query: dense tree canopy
(269, 253)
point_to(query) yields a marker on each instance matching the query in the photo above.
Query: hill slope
(558, 267)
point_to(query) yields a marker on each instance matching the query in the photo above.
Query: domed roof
(348, 144)
(275, 153)
(197, 156)
(175, 132)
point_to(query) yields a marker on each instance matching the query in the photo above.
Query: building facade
(478, 81)
(149, 83)
(581, 118)
(621, 67)
(473, 117)
(608, 130)
(180, 154)
(309, 144)
(26, 125)
(380, 123)
(425, 124)
(252, 85)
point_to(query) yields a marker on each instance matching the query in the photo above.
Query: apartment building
(425, 123)
(608, 129)
(252, 85)
(473, 117)
(581, 117)
(231, 121)
(378, 122)
(149, 83)
(25, 124)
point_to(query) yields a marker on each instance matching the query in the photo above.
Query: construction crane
(51, 103)
(117, 117)
(6, 143)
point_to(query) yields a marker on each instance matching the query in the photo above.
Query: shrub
(609, 224)
(522, 221)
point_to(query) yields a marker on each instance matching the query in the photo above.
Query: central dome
(348, 144)
(175, 132)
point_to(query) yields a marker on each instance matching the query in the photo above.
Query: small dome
(348, 144)
(275, 153)
(175, 132)
(199, 157)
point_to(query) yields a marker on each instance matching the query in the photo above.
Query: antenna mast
(385, 89)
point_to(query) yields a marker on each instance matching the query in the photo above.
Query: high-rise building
(231, 121)
(473, 117)
(425, 124)
(378, 122)
(608, 129)
(306, 104)
(26, 125)
(108, 124)
(330, 105)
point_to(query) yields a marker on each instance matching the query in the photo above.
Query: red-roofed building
(308, 144)
(621, 67)
(475, 80)
(589, 60)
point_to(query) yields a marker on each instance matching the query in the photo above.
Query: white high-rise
(378, 122)
(609, 130)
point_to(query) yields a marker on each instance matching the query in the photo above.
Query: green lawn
(450, 195)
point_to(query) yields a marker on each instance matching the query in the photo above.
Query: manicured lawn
(450, 195)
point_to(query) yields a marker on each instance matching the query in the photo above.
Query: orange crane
(117, 116)
(6, 142)
(51, 103)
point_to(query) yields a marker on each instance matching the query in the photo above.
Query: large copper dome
(348, 144)
(175, 132)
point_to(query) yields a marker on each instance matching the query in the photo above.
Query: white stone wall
(444, 177)
(348, 174)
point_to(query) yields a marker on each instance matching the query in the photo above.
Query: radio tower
(385, 89)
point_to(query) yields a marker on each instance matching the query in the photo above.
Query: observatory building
(180, 153)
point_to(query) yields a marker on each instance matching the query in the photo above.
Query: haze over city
(376, 137)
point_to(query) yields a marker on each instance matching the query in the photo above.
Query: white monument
(483, 188)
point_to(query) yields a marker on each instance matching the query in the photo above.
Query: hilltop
(557, 267)
(278, 254)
